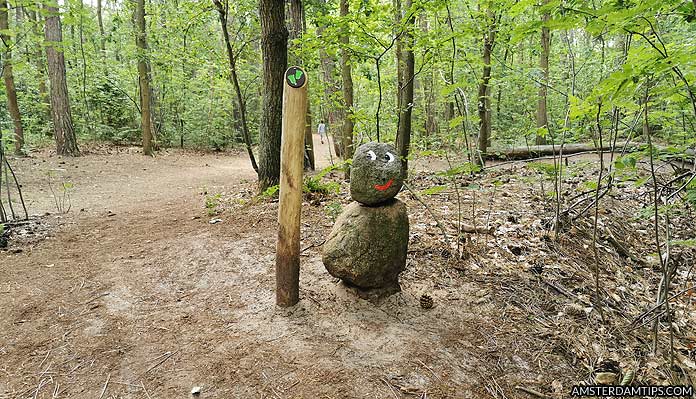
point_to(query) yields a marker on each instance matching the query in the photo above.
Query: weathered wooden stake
(291, 166)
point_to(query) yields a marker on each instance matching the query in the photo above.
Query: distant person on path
(321, 130)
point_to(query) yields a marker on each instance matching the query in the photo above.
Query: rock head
(375, 174)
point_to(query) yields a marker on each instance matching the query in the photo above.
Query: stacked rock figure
(368, 244)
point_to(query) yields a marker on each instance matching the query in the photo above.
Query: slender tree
(63, 130)
(542, 115)
(39, 60)
(484, 99)
(403, 135)
(274, 41)
(143, 77)
(100, 22)
(347, 77)
(223, 12)
(428, 84)
(332, 88)
(8, 77)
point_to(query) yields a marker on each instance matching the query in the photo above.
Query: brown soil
(134, 294)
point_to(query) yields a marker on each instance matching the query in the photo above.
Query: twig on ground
(533, 392)
(391, 388)
(316, 244)
(142, 384)
(106, 385)
(95, 298)
(659, 305)
(429, 369)
(165, 356)
(38, 388)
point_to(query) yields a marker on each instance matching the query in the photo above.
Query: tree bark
(143, 76)
(100, 21)
(429, 90)
(297, 29)
(484, 98)
(8, 77)
(331, 90)
(403, 135)
(347, 77)
(241, 106)
(542, 116)
(274, 41)
(40, 65)
(63, 130)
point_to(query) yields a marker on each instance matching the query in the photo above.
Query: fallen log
(535, 151)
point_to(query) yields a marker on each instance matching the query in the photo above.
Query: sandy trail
(137, 288)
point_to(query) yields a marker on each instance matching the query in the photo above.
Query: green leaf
(590, 184)
(433, 190)
(684, 243)
(466, 167)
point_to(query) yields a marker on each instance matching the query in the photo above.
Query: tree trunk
(240, 111)
(331, 90)
(429, 91)
(500, 87)
(100, 21)
(398, 15)
(542, 116)
(484, 99)
(143, 76)
(63, 130)
(403, 135)
(274, 41)
(347, 77)
(297, 29)
(7, 75)
(40, 66)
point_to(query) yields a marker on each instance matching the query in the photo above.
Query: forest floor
(134, 293)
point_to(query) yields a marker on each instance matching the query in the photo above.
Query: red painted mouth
(384, 186)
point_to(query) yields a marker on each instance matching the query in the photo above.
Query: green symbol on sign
(295, 77)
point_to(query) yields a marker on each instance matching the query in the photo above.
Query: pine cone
(607, 372)
(426, 301)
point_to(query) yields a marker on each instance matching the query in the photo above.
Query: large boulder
(375, 174)
(367, 246)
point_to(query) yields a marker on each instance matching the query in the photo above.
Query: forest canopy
(473, 76)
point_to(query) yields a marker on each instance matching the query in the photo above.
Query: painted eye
(372, 155)
(389, 157)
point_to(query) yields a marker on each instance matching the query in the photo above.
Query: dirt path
(137, 288)
(136, 295)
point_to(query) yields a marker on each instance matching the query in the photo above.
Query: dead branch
(532, 392)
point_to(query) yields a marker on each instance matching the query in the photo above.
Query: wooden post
(291, 166)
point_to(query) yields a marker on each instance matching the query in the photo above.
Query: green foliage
(433, 190)
(270, 193)
(314, 184)
(466, 167)
(212, 203)
(333, 209)
(546, 168)
(691, 192)
(684, 243)
(61, 194)
(605, 54)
